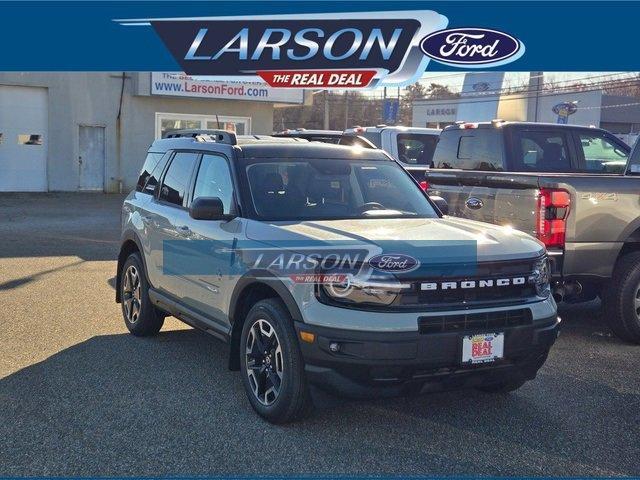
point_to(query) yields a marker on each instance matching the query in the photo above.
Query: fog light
(334, 347)
(307, 337)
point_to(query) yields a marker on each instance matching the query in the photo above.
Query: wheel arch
(251, 288)
(130, 244)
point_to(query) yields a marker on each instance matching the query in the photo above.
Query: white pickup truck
(408, 145)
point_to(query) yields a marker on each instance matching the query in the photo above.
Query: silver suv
(328, 265)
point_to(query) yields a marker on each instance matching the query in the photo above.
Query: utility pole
(326, 109)
(384, 102)
(346, 109)
(535, 85)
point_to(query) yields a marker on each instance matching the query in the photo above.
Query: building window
(30, 139)
(166, 122)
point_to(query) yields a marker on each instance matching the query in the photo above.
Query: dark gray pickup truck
(571, 187)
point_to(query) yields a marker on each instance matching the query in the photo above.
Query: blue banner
(92, 36)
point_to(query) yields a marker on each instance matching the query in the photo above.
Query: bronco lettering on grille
(467, 284)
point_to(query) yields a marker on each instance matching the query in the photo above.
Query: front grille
(475, 295)
(471, 297)
(475, 321)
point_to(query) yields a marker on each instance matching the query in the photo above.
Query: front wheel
(622, 299)
(272, 367)
(140, 316)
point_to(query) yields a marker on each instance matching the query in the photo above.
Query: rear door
(169, 225)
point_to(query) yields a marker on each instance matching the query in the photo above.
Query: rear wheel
(622, 299)
(140, 316)
(272, 367)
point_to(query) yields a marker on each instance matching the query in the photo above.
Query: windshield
(334, 189)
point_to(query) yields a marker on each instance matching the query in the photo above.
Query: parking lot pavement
(78, 396)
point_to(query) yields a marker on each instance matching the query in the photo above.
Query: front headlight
(362, 289)
(542, 277)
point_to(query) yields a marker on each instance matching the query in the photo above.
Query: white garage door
(23, 139)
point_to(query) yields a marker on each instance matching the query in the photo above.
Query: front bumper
(393, 363)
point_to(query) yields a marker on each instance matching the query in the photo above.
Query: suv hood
(494, 243)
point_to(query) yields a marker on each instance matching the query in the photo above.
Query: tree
(418, 91)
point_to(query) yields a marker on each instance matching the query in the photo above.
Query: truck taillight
(551, 221)
(424, 185)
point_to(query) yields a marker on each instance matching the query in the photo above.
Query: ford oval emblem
(474, 203)
(469, 47)
(393, 262)
(568, 108)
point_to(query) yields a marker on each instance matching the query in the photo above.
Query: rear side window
(479, 149)
(151, 171)
(541, 151)
(176, 180)
(416, 149)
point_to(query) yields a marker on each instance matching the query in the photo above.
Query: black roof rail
(219, 136)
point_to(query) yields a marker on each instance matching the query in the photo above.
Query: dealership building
(618, 114)
(90, 131)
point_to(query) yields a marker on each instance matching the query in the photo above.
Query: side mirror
(207, 208)
(441, 203)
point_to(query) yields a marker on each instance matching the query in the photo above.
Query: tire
(275, 383)
(622, 298)
(140, 316)
(502, 387)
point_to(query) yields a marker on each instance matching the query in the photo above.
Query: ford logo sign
(469, 47)
(393, 262)
(481, 86)
(565, 108)
(474, 203)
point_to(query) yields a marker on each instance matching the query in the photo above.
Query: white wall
(88, 98)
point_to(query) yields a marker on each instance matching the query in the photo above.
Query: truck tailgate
(494, 197)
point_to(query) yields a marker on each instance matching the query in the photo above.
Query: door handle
(149, 223)
(184, 230)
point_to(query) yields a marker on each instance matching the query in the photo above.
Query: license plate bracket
(482, 348)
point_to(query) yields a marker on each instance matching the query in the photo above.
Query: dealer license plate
(482, 348)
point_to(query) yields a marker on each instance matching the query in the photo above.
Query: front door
(211, 284)
(91, 158)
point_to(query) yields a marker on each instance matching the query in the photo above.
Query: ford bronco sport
(213, 215)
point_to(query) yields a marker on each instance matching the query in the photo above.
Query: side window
(151, 171)
(176, 180)
(541, 151)
(634, 161)
(446, 153)
(214, 180)
(416, 149)
(601, 154)
(470, 150)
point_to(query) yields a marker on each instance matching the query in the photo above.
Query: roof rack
(201, 135)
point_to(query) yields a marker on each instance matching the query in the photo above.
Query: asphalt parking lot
(81, 397)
